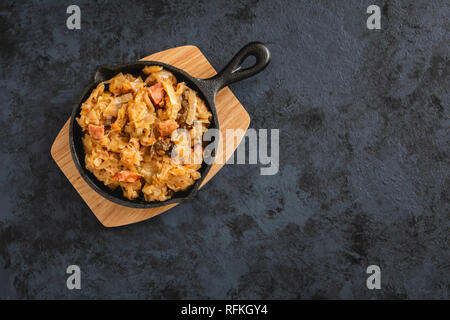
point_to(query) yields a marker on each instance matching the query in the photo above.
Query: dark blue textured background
(364, 152)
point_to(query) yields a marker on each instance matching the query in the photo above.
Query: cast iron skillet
(206, 88)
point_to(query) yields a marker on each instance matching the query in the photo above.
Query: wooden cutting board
(231, 113)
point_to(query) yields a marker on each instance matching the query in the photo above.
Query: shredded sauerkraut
(132, 132)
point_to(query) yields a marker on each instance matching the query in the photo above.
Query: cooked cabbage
(131, 138)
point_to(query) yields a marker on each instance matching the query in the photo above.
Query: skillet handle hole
(247, 63)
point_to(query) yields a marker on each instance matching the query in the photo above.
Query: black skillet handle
(233, 71)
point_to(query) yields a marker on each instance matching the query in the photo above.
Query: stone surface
(364, 154)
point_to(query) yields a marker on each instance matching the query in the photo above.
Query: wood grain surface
(231, 113)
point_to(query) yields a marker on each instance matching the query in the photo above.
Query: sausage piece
(96, 132)
(127, 176)
(166, 128)
(156, 93)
